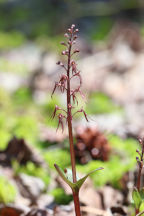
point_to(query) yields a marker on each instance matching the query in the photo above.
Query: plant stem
(140, 163)
(69, 119)
(136, 212)
(140, 213)
(76, 203)
(140, 168)
(139, 179)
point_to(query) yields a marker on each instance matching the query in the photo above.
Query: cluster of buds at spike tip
(71, 72)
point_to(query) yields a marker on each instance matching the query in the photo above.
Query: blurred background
(111, 61)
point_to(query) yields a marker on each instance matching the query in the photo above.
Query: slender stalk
(69, 119)
(76, 203)
(64, 84)
(140, 165)
(139, 179)
(72, 153)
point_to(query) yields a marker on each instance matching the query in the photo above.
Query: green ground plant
(99, 103)
(122, 160)
(58, 156)
(7, 191)
(60, 197)
(11, 40)
(32, 170)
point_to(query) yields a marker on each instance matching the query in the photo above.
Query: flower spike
(64, 85)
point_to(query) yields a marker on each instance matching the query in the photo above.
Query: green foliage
(52, 43)
(32, 170)
(141, 208)
(18, 116)
(138, 198)
(119, 163)
(22, 96)
(7, 191)
(58, 156)
(4, 138)
(104, 26)
(10, 40)
(60, 197)
(26, 127)
(100, 103)
(5, 100)
(125, 148)
(12, 67)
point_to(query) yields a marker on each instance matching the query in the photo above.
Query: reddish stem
(136, 212)
(140, 164)
(140, 168)
(69, 119)
(139, 179)
(76, 203)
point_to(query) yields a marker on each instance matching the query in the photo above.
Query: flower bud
(76, 51)
(63, 52)
(69, 42)
(137, 158)
(66, 35)
(70, 30)
(63, 43)
(72, 62)
(73, 26)
(61, 64)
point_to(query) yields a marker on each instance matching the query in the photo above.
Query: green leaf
(141, 208)
(136, 198)
(82, 180)
(67, 177)
(63, 175)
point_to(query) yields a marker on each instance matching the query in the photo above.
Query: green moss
(102, 30)
(4, 138)
(7, 191)
(22, 96)
(58, 156)
(12, 67)
(10, 40)
(32, 170)
(101, 103)
(5, 99)
(52, 43)
(121, 161)
(60, 197)
(26, 127)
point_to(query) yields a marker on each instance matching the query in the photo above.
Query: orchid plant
(64, 85)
